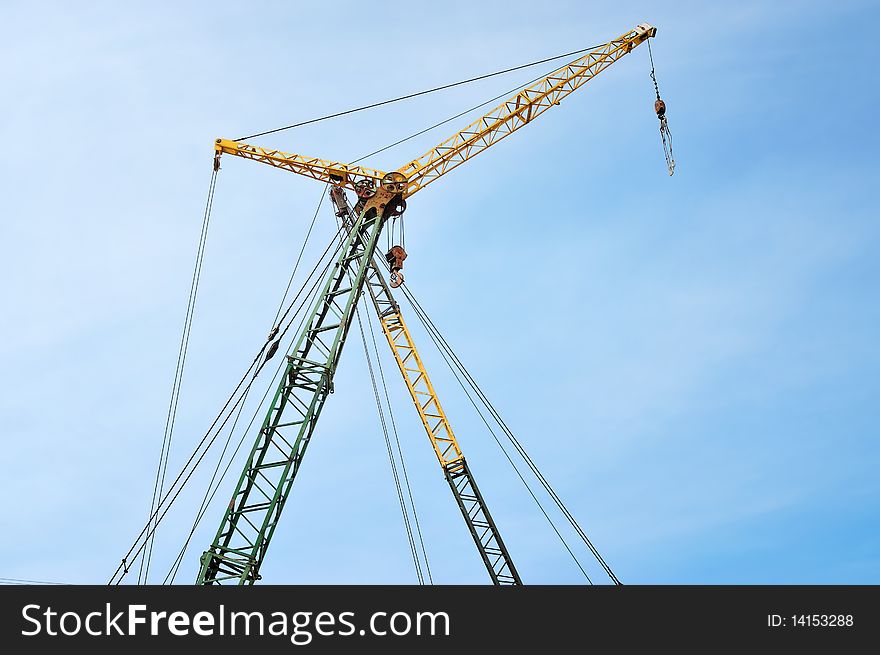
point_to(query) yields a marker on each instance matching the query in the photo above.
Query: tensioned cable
(520, 449)
(152, 532)
(434, 339)
(275, 323)
(299, 257)
(209, 494)
(512, 438)
(134, 551)
(418, 93)
(175, 565)
(18, 581)
(394, 473)
(403, 507)
(448, 120)
(497, 417)
(165, 451)
(412, 501)
(534, 468)
(156, 518)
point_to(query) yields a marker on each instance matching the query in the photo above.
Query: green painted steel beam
(239, 547)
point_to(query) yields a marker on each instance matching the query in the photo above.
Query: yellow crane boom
(505, 119)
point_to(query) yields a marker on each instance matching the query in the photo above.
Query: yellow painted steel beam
(422, 391)
(519, 110)
(504, 120)
(318, 169)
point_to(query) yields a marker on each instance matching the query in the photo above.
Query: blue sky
(691, 361)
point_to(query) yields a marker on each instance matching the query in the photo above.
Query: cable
(519, 447)
(18, 581)
(397, 485)
(448, 120)
(383, 423)
(209, 494)
(412, 501)
(660, 108)
(415, 95)
(512, 438)
(424, 321)
(653, 76)
(144, 569)
(299, 257)
(306, 301)
(531, 463)
(134, 551)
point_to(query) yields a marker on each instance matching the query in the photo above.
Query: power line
(417, 94)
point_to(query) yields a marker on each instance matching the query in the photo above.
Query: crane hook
(665, 135)
(660, 109)
(395, 257)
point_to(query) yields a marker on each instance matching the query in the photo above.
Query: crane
(249, 522)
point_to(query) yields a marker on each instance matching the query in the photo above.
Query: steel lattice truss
(255, 508)
(504, 120)
(239, 547)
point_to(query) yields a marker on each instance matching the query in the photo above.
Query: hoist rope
(165, 450)
(444, 345)
(419, 93)
(653, 74)
(665, 133)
